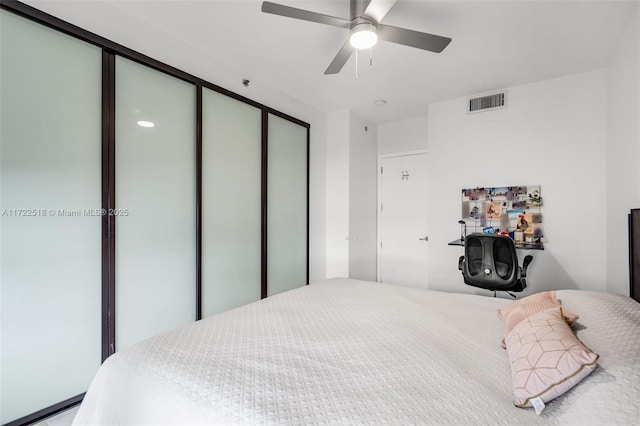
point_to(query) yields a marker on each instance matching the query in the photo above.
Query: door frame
(382, 157)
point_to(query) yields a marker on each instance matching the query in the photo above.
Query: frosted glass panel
(231, 200)
(286, 206)
(155, 194)
(50, 250)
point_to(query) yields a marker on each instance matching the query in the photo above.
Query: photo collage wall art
(508, 210)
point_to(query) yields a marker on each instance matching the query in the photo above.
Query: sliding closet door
(50, 251)
(231, 200)
(155, 202)
(286, 205)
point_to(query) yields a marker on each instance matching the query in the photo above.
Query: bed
(344, 351)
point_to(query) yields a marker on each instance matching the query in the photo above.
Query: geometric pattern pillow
(518, 310)
(546, 358)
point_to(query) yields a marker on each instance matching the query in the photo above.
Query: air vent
(487, 102)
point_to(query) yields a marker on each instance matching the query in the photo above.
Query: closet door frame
(108, 203)
(110, 50)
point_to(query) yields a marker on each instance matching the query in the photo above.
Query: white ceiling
(496, 44)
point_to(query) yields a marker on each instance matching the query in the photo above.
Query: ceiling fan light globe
(363, 36)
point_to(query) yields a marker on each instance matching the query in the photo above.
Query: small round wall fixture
(143, 123)
(380, 103)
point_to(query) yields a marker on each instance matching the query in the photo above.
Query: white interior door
(403, 242)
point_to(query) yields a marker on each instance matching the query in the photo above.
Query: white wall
(623, 153)
(337, 195)
(551, 134)
(404, 135)
(317, 196)
(362, 198)
(351, 196)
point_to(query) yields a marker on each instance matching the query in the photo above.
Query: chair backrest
(490, 262)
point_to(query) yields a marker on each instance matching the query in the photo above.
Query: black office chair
(490, 262)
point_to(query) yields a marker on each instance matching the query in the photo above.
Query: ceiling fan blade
(378, 9)
(341, 58)
(412, 38)
(305, 15)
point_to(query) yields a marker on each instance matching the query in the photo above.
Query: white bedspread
(346, 351)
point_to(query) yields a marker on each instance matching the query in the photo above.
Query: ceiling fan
(365, 28)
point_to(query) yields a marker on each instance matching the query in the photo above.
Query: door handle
(424, 239)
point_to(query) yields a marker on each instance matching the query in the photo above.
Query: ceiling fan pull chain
(356, 64)
(371, 56)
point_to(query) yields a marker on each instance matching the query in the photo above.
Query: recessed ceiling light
(143, 123)
(380, 103)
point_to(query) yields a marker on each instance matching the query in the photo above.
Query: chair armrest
(460, 262)
(527, 260)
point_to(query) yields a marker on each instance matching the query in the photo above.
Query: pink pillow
(518, 310)
(547, 359)
(536, 297)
